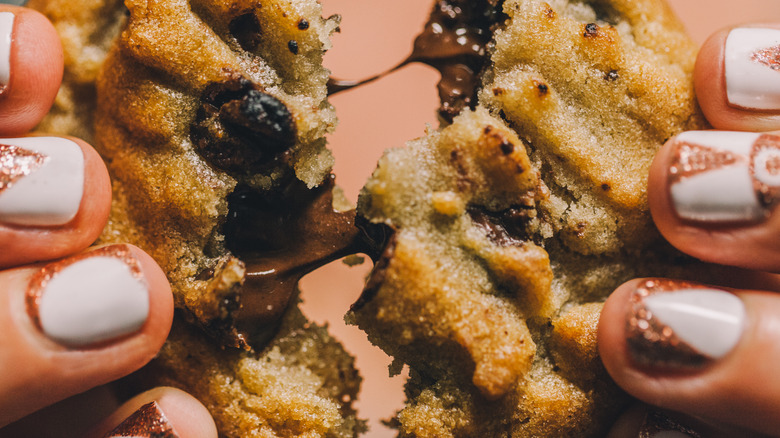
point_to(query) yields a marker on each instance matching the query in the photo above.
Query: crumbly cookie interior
(513, 224)
(203, 110)
(505, 230)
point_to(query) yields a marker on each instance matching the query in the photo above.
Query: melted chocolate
(504, 228)
(282, 236)
(377, 276)
(454, 41)
(246, 29)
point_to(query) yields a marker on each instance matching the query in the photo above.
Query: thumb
(703, 351)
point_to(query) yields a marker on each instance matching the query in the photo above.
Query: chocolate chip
(293, 46)
(591, 30)
(246, 29)
(507, 147)
(303, 24)
(504, 228)
(542, 88)
(612, 75)
(239, 128)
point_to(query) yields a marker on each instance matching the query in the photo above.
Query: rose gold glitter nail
(148, 421)
(16, 163)
(765, 169)
(690, 159)
(40, 279)
(769, 57)
(650, 342)
(656, 422)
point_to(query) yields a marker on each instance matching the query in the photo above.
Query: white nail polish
(752, 68)
(6, 39)
(91, 298)
(718, 176)
(41, 180)
(708, 320)
(683, 324)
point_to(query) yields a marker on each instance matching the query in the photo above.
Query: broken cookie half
(511, 225)
(211, 116)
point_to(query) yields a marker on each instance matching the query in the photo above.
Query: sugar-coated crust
(467, 299)
(594, 88)
(149, 92)
(505, 230)
(493, 280)
(302, 385)
(87, 29)
(137, 75)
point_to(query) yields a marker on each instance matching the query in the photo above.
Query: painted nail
(682, 324)
(90, 298)
(721, 176)
(658, 425)
(148, 421)
(6, 40)
(41, 180)
(752, 68)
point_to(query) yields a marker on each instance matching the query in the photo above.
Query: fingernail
(658, 425)
(41, 181)
(752, 68)
(681, 324)
(90, 298)
(721, 176)
(148, 421)
(6, 39)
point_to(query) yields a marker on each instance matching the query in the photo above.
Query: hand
(72, 317)
(706, 357)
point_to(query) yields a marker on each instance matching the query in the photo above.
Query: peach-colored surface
(376, 35)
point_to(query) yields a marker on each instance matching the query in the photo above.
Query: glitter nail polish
(89, 298)
(148, 421)
(682, 324)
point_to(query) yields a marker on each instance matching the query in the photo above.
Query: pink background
(376, 35)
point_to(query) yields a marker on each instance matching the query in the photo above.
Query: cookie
(495, 238)
(211, 116)
(509, 227)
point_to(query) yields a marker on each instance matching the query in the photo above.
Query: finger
(641, 421)
(164, 412)
(705, 352)
(713, 195)
(31, 66)
(78, 323)
(55, 196)
(737, 78)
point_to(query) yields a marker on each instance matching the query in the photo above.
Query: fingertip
(712, 196)
(63, 207)
(735, 89)
(79, 323)
(709, 81)
(704, 351)
(611, 329)
(159, 410)
(31, 67)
